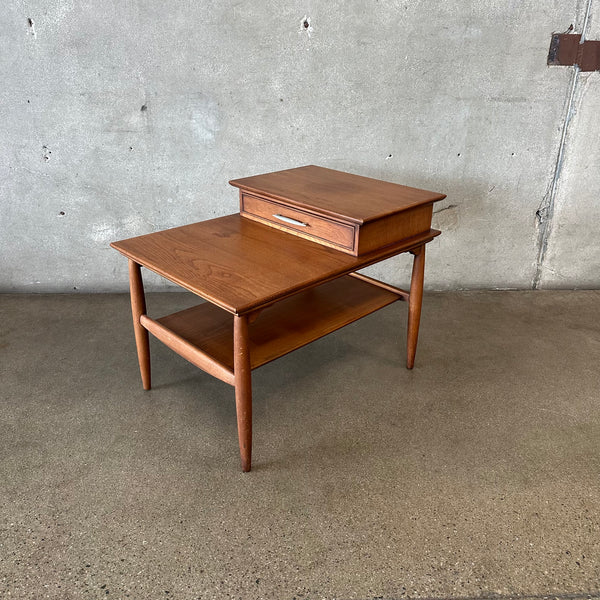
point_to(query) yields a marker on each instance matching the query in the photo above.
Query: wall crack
(544, 215)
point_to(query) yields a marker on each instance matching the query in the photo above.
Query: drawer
(304, 224)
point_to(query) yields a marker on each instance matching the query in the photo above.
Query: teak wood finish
(268, 290)
(243, 388)
(415, 299)
(313, 227)
(341, 195)
(281, 327)
(189, 351)
(138, 310)
(241, 265)
(350, 213)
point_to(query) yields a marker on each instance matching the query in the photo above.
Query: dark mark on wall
(144, 107)
(305, 26)
(541, 214)
(449, 207)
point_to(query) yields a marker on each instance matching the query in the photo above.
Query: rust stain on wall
(566, 49)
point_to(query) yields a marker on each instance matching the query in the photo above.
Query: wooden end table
(270, 288)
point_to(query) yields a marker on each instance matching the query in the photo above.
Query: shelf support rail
(404, 295)
(188, 351)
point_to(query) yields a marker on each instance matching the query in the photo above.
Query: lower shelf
(281, 327)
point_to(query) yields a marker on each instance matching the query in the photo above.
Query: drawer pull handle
(290, 221)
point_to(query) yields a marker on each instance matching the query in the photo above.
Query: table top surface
(241, 265)
(344, 196)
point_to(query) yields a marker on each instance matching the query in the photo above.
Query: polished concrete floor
(475, 475)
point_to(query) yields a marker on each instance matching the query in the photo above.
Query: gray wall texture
(123, 117)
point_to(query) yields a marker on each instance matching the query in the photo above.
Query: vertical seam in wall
(545, 212)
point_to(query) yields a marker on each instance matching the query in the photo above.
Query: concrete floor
(476, 474)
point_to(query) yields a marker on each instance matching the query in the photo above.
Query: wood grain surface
(241, 265)
(138, 310)
(282, 327)
(322, 230)
(243, 388)
(342, 195)
(190, 352)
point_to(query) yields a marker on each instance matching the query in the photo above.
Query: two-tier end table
(281, 273)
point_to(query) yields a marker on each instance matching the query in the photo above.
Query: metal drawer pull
(290, 221)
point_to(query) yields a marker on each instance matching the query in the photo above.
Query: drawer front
(293, 220)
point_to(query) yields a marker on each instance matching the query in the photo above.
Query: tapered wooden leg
(138, 308)
(243, 388)
(414, 304)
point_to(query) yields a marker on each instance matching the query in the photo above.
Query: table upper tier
(348, 197)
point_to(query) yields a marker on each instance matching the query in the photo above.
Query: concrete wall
(573, 256)
(119, 118)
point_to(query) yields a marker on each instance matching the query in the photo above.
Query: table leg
(243, 388)
(414, 304)
(138, 308)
